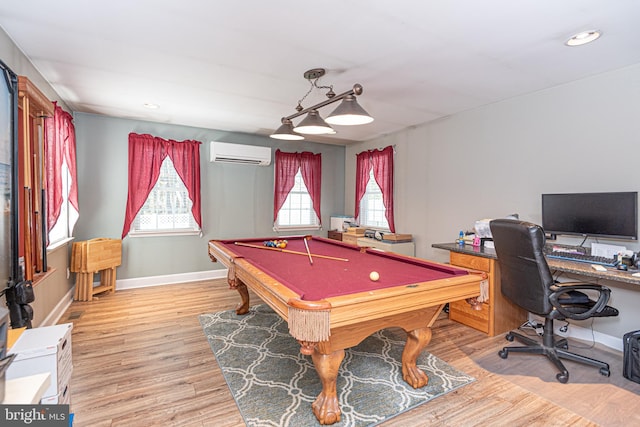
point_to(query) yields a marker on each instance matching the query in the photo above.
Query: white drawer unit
(45, 349)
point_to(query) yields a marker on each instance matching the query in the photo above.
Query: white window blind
(168, 207)
(372, 210)
(297, 210)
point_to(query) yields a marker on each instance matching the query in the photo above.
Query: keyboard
(590, 259)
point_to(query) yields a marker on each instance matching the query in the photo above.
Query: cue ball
(374, 276)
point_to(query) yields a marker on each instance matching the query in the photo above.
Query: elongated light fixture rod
(357, 90)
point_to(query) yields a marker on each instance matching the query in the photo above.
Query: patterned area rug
(274, 385)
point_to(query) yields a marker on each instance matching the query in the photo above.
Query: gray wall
(499, 159)
(237, 200)
(54, 290)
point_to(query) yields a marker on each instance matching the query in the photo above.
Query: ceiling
(239, 65)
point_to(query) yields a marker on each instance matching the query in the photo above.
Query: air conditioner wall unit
(224, 152)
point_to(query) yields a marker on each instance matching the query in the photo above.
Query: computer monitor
(608, 215)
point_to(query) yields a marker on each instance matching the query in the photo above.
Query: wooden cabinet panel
(462, 312)
(498, 315)
(335, 235)
(33, 107)
(470, 261)
(352, 239)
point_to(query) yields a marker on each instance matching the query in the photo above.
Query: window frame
(380, 161)
(299, 183)
(61, 230)
(166, 167)
(146, 156)
(287, 167)
(364, 211)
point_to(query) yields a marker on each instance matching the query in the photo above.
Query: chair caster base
(563, 377)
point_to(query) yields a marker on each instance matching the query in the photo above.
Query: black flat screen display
(610, 215)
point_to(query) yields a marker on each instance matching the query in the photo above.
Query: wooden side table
(95, 256)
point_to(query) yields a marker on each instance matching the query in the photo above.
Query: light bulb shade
(349, 112)
(285, 131)
(313, 124)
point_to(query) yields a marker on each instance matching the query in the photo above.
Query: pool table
(330, 303)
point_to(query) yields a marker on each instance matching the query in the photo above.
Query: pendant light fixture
(313, 124)
(349, 112)
(285, 131)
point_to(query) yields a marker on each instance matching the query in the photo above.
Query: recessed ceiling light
(151, 105)
(583, 37)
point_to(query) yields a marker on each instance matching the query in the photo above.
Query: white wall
(498, 159)
(22, 66)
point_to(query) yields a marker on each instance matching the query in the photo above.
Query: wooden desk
(501, 315)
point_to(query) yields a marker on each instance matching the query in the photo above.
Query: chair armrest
(598, 306)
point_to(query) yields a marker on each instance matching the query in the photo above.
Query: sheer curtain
(60, 148)
(382, 163)
(146, 154)
(287, 165)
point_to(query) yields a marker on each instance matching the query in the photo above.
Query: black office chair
(527, 281)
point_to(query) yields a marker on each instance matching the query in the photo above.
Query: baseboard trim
(56, 314)
(589, 335)
(584, 334)
(168, 279)
(58, 311)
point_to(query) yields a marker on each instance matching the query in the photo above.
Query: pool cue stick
(288, 251)
(306, 245)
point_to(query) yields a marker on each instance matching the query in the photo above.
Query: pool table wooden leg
(417, 340)
(326, 407)
(243, 306)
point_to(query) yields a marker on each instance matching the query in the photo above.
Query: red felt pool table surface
(325, 277)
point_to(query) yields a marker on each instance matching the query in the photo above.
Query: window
(68, 215)
(374, 189)
(164, 187)
(297, 210)
(297, 191)
(168, 207)
(372, 210)
(61, 176)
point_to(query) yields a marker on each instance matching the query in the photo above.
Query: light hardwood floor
(141, 359)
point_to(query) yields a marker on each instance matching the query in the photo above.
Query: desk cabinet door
(498, 315)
